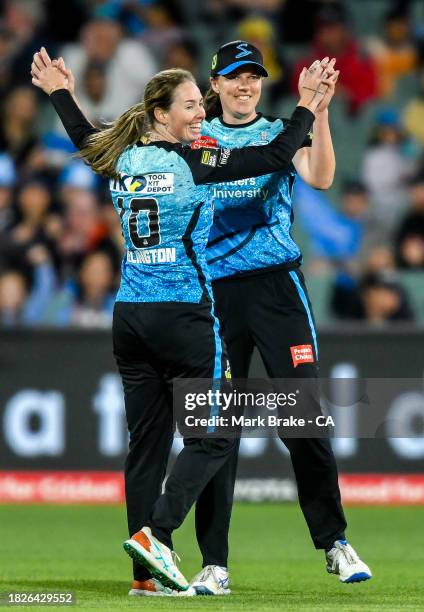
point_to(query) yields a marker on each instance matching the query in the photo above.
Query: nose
(243, 84)
(201, 114)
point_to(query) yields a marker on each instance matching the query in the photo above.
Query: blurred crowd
(60, 240)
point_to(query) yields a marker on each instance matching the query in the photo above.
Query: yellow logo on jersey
(228, 371)
(134, 186)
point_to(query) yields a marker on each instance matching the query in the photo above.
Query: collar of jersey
(240, 125)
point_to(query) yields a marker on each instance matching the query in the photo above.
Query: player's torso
(165, 220)
(253, 217)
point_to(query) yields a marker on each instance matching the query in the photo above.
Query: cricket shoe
(343, 560)
(147, 551)
(212, 580)
(150, 588)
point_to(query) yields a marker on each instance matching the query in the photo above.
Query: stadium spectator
(160, 31)
(184, 53)
(333, 38)
(409, 238)
(260, 32)
(127, 63)
(7, 183)
(84, 229)
(383, 299)
(24, 20)
(37, 223)
(413, 113)
(387, 164)
(18, 127)
(394, 53)
(26, 287)
(345, 296)
(88, 301)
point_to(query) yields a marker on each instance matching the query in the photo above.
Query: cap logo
(244, 51)
(214, 61)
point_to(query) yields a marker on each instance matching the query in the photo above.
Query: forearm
(252, 161)
(322, 161)
(74, 121)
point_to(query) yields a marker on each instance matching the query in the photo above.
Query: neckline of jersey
(240, 125)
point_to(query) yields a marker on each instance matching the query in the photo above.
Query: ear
(161, 116)
(214, 84)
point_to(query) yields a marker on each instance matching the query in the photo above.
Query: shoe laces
(205, 573)
(346, 551)
(175, 557)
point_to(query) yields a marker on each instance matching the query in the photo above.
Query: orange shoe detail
(142, 539)
(144, 585)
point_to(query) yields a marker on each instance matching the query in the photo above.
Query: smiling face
(183, 121)
(239, 93)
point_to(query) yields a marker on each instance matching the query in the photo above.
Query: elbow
(322, 184)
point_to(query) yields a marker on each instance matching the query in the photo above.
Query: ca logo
(214, 60)
(244, 51)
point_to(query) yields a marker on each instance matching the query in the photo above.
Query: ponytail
(103, 148)
(212, 104)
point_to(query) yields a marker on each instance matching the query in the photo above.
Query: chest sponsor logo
(302, 353)
(208, 158)
(161, 182)
(244, 188)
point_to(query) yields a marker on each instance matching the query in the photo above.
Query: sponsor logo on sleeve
(205, 142)
(223, 158)
(208, 159)
(302, 353)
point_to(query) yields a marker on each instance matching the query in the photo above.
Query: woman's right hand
(310, 85)
(46, 75)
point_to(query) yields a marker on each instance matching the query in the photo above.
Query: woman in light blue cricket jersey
(164, 325)
(260, 293)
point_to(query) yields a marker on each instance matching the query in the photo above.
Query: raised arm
(214, 165)
(233, 164)
(57, 83)
(317, 164)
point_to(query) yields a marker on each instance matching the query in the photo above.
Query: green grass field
(273, 563)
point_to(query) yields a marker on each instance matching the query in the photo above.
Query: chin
(244, 109)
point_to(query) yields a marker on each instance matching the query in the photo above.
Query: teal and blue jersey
(253, 216)
(163, 199)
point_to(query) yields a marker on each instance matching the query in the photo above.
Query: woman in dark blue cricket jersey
(164, 327)
(260, 293)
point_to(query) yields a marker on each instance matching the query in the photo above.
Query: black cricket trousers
(154, 344)
(272, 311)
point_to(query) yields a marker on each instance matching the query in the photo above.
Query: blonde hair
(102, 149)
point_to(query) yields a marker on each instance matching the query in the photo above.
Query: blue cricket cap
(234, 54)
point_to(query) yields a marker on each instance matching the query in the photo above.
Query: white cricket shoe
(150, 588)
(146, 550)
(343, 560)
(212, 580)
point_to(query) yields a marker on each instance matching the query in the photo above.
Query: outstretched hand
(50, 75)
(327, 77)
